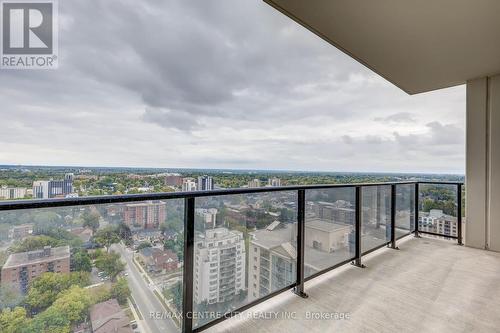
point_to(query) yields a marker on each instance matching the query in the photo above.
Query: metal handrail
(189, 225)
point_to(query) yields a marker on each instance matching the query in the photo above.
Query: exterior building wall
(12, 193)
(148, 215)
(254, 183)
(205, 183)
(173, 180)
(21, 231)
(20, 274)
(188, 185)
(219, 266)
(44, 189)
(482, 227)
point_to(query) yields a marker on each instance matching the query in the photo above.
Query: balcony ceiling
(417, 45)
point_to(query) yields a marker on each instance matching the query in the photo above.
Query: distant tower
(188, 185)
(205, 183)
(274, 182)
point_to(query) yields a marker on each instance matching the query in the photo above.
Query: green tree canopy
(11, 321)
(107, 236)
(121, 291)
(91, 220)
(80, 261)
(111, 264)
(45, 289)
(35, 243)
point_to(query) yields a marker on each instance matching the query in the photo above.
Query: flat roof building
(21, 268)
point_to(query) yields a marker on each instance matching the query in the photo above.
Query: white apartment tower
(274, 182)
(209, 216)
(254, 183)
(219, 265)
(188, 185)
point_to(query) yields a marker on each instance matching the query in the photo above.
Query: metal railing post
(301, 231)
(357, 257)
(417, 199)
(187, 295)
(393, 217)
(459, 214)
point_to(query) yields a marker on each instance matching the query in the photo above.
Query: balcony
(429, 285)
(385, 215)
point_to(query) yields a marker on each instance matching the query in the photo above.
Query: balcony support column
(482, 223)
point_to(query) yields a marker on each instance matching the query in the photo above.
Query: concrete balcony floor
(429, 285)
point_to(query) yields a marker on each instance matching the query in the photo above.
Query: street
(144, 297)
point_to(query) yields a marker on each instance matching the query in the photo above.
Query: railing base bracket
(300, 293)
(357, 264)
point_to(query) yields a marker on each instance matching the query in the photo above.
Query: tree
(124, 233)
(10, 296)
(80, 261)
(91, 220)
(144, 245)
(51, 320)
(121, 291)
(35, 243)
(107, 236)
(176, 293)
(70, 307)
(111, 264)
(73, 303)
(11, 321)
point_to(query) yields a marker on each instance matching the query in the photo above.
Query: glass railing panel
(375, 216)
(123, 256)
(329, 228)
(438, 209)
(405, 209)
(258, 233)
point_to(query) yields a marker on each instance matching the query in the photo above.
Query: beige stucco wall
(483, 163)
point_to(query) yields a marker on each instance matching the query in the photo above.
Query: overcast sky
(217, 84)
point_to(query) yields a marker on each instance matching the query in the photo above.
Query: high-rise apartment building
(146, 215)
(339, 211)
(272, 256)
(208, 216)
(437, 222)
(173, 179)
(188, 185)
(254, 183)
(21, 268)
(272, 253)
(219, 265)
(205, 183)
(45, 189)
(11, 193)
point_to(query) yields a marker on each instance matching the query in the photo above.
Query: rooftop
(325, 226)
(108, 317)
(33, 257)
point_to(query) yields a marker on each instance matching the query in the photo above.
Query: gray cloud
(400, 117)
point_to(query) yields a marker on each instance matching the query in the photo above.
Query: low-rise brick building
(21, 268)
